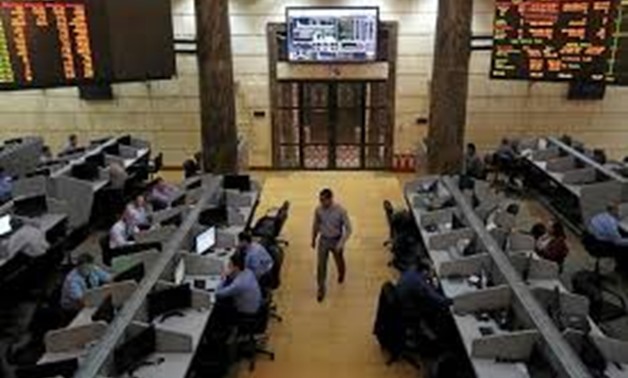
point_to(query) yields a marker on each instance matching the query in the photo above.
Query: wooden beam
(449, 87)
(219, 133)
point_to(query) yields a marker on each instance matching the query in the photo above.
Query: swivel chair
(252, 334)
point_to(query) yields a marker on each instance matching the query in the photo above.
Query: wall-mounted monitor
(336, 34)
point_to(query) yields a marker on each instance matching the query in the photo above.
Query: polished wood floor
(332, 339)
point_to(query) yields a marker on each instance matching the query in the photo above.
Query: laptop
(205, 241)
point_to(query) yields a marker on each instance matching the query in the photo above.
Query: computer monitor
(99, 141)
(5, 225)
(205, 240)
(97, 159)
(105, 311)
(31, 207)
(169, 300)
(63, 368)
(179, 272)
(86, 171)
(131, 354)
(114, 149)
(125, 140)
(237, 182)
(213, 216)
(135, 273)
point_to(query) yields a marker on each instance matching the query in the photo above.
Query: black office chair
(252, 331)
(389, 211)
(280, 221)
(605, 304)
(269, 226)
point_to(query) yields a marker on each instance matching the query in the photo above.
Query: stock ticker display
(553, 39)
(53, 43)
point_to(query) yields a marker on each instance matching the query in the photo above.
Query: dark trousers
(325, 246)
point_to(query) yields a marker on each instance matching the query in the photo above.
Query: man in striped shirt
(331, 228)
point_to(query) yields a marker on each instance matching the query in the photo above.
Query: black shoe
(320, 296)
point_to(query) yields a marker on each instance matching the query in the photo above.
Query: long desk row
(500, 298)
(571, 182)
(178, 337)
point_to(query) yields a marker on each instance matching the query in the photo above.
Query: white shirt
(119, 235)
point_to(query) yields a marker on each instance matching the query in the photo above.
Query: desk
(54, 226)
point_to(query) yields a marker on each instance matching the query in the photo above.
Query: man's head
(505, 142)
(140, 201)
(613, 209)
(326, 198)
(244, 238)
(236, 263)
(73, 139)
(85, 264)
(471, 150)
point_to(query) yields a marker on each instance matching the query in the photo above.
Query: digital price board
(553, 39)
(48, 43)
(618, 62)
(340, 34)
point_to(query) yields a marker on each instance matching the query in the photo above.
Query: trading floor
(332, 339)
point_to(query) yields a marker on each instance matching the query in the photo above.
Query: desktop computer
(135, 273)
(213, 216)
(106, 311)
(88, 171)
(130, 355)
(114, 149)
(169, 301)
(237, 182)
(63, 368)
(31, 207)
(205, 241)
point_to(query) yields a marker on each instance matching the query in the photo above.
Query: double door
(333, 125)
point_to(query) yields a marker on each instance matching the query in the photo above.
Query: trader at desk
(256, 258)
(416, 283)
(139, 213)
(240, 285)
(84, 277)
(121, 233)
(162, 194)
(605, 227)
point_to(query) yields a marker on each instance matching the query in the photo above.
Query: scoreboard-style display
(553, 39)
(48, 43)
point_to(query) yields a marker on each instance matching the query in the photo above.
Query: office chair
(389, 211)
(280, 221)
(269, 226)
(252, 330)
(593, 284)
(272, 280)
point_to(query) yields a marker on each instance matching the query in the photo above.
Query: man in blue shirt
(6, 186)
(241, 286)
(605, 227)
(256, 258)
(415, 289)
(84, 277)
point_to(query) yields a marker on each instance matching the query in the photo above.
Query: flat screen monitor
(5, 225)
(336, 34)
(213, 216)
(179, 272)
(135, 273)
(86, 171)
(169, 300)
(97, 159)
(114, 149)
(237, 182)
(125, 140)
(63, 368)
(105, 311)
(206, 240)
(131, 354)
(31, 207)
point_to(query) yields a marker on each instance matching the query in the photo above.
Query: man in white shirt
(121, 234)
(139, 213)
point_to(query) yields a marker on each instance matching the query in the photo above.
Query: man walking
(332, 228)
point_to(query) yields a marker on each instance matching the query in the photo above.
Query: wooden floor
(332, 339)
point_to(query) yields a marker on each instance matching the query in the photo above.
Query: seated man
(473, 165)
(162, 194)
(117, 175)
(84, 277)
(256, 258)
(6, 186)
(139, 213)
(605, 227)
(417, 293)
(70, 146)
(121, 233)
(240, 285)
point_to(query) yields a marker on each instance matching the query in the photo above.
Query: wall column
(219, 134)
(449, 87)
